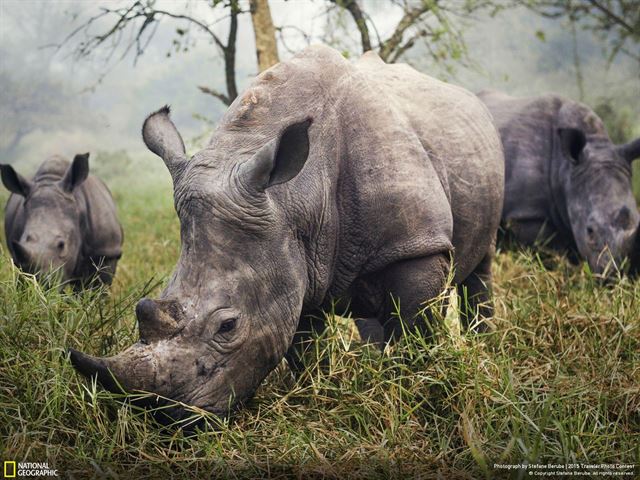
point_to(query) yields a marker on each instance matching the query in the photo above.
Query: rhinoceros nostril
(590, 232)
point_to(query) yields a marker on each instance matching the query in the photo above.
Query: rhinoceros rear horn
(630, 151)
(280, 160)
(153, 322)
(14, 182)
(77, 172)
(161, 136)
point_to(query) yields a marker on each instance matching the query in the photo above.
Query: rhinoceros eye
(228, 325)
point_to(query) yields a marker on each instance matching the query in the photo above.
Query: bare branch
(280, 32)
(220, 96)
(150, 16)
(401, 49)
(408, 19)
(617, 19)
(198, 23)
(358, 16)
(230, 53)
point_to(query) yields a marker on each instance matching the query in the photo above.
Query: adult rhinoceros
(325, 179)
(62, 219)
(567, 186)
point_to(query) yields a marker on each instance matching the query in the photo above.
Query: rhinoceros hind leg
(474, 296)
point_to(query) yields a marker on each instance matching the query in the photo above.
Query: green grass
(558, 380)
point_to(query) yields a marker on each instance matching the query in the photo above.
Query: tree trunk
(266, 46)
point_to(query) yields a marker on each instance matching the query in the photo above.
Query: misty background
(53, 102)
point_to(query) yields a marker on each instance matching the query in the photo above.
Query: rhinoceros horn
(95, 367)
(133, 369)
(22, 253)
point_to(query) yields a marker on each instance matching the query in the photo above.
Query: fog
(53, 102)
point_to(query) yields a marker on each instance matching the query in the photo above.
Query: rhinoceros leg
(409, 285)
(309, 326)
(474, 296)
(371, 331)
(94, 272)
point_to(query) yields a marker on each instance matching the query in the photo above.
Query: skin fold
(567, 186)
(63, 219)
(325, 181)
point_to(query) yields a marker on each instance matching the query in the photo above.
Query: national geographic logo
(28, 469)
(9, 470)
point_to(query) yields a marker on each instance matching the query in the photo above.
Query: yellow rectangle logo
(9, 469)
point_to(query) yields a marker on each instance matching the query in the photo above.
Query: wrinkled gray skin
(567, 186)
(62, 219)
(325, 180)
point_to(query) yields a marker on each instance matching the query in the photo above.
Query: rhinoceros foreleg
(409, 285)
(474, 296)
(310, 326)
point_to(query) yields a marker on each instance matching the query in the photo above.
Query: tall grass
(557, 380)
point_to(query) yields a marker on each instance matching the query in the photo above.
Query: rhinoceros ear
(280, 160)
(14, 182)
(630, 151)
(161, 136)
(572, 141)
(77, 172)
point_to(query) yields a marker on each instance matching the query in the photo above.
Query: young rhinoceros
(324, 180)
(62, 219)
(566, 185)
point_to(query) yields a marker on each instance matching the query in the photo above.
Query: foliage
(112, 166)
(436, 26)
(622, 127)
(557, 381)
(619, 121)
(616, 22)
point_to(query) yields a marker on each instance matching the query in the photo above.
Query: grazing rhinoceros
(62, 219)
(566, 185)
(324, 180)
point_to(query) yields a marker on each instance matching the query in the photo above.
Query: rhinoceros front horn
(22, 254)
(92, 367)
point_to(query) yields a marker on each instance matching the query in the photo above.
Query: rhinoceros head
(51, 238)
(232, 305)
(597, 187)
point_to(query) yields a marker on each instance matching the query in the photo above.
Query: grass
(557, 381)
